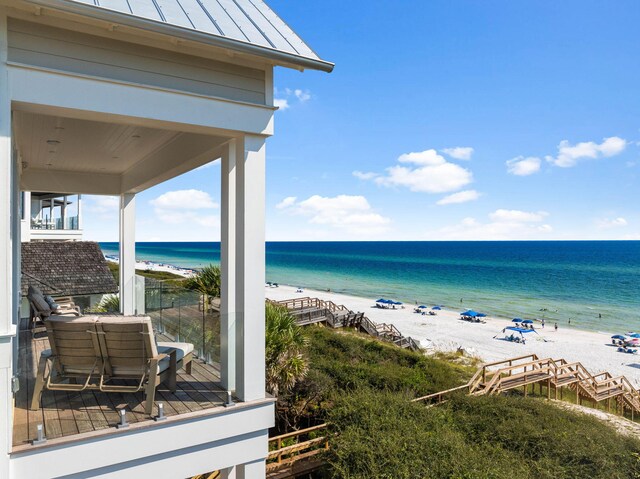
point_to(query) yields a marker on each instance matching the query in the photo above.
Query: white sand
(165, 268)
(447, 332)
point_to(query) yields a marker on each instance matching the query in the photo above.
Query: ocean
(592, 285)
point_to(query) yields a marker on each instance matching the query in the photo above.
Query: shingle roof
(66, 268)
(240, 22)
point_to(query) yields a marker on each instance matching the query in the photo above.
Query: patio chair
(41, 306)
(94, 351)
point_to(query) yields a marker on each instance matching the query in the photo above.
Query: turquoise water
(595, 284)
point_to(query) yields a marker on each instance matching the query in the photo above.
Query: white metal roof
(243, 25)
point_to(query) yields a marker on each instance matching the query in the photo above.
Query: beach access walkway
(552, 375)
(309, 311)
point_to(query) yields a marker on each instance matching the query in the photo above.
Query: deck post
(251, 470)
(228, 305)
(250, 268)
(127, 247)
(9, 255)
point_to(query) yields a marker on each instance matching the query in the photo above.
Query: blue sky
(442, 120)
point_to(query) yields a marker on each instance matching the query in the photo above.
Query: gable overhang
(117, 19)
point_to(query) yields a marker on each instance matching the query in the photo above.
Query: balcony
(178, 316)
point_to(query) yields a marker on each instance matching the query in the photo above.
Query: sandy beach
(446, 332)
(151, 266)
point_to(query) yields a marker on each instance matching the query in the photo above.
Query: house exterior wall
(80, 53)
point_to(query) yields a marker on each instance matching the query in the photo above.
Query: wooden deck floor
(67, 414)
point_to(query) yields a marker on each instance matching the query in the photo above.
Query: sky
(443, 120)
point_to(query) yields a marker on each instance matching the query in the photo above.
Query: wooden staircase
(314, 310)
(555, 374)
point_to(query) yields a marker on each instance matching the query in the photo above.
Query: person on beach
(556, 326)
(542, 323)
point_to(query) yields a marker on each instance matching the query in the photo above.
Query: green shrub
(382, 434)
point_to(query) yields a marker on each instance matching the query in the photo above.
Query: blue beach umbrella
(635, 335)
(422, 306)
(618, 336)
(481, 315)
(527, 321)
(437, 308)
(469, 312)
(381, 300)
(396, 302)
(516, 320)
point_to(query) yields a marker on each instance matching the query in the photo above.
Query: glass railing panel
(182, 315)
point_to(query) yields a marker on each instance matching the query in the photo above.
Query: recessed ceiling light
(135, 136)
(115, 157)
(53, 142)
(49, 164)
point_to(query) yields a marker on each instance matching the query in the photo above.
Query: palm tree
(207, 281)
(285, 341)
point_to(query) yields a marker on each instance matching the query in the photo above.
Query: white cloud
(288, 201)
(433, 174)
(352, 214)
(285, 99)
(101, 205)
(460, 197)
(301, 95)
(521, 166)
(281, 103)
(517, 216)
(364, 176)
(186, 207)
(569, 155)
(184, 199)
(608, 223)
(502, 225)
(459, 152)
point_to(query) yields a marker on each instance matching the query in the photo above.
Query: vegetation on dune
(363, 389)
(382, 434)
(285, 341)
(147, 273)
(341, 362)
(207, 281)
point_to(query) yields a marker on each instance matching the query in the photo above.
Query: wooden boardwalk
(309, 311)
(552, 374)
(69, 413)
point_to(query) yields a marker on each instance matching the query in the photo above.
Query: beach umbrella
(635, 335)
(618, 336)
(437, 308)
(527, 321)
(481, 315)
(516, 320)
(470, 313)
(422, 306)
(396, 302)
(381, 300)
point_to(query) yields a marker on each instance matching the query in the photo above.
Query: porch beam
(58, 93)
(128, 254)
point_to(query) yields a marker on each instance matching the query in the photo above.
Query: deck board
(72, 413)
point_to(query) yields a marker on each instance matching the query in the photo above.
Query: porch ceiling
(70, 155)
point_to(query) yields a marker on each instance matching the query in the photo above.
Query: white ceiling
(139, 156)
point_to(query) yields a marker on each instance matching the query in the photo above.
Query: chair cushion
(52, 303)
(40, 303)
(182, 349)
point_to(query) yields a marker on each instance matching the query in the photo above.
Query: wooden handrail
(298, 433)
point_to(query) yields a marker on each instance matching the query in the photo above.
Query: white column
(63, 212)
(251, 470)
(228, 269)
(128, 253)
(250, 267)
(79, 212)
(228, 473)
(9, 244)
